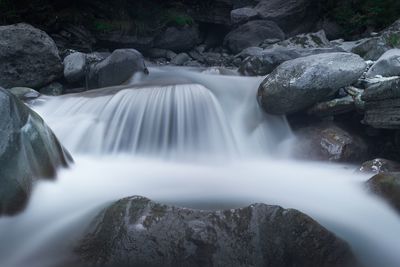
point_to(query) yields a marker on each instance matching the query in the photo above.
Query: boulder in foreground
(28, 56)
(136, 231)
(299, 83)
(28, 151)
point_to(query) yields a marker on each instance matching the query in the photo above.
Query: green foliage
(394, 40)
(355, 16)
(178, 18)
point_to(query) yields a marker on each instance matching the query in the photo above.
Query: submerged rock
(138, 232)
(380, 166)
(28, 56)
(252, 33)
(116, 69)
(387, 185)
(300, 83)
(28, 151)
(329, 142)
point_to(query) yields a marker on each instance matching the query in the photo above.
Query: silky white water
(191, 139)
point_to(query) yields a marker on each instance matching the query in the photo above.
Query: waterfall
(146, 138)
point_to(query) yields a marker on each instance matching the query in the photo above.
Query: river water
(190, 138)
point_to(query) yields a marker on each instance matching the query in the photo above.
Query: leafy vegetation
(357, 16)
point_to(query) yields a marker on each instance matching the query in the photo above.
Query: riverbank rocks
(387, 65)
(302, 82)
(116, 69)
(138, 232)
(382, 100)
(329, 142)
(380, 166)
(28, 56)
(180, 39)
(387, 185)
(28, 151)
(252, 33)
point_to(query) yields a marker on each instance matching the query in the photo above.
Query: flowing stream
(190, 138)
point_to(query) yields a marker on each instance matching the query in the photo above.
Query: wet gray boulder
(116, 69)
(387, 65)
(382, 101)
(380, 166)
(306, 40)
(75, 67)
(24, 93)
(180, 39)
(333, 107)
(387, 185)
(263, 62)
(252, 33)
(136, 231)
(243, 15)
(329, 142)
(28, 56)
(28, 151)
(298, 84)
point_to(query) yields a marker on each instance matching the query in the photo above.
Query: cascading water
(193, 139)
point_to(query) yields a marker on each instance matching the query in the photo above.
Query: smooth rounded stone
(333, 107)
(306, 40)
(136, 231)
(368, 48)
(292, 16)
(243, 15)
(116, 69)
(28, 151)
(387, 65)
(387, 185)
(250, 51)
(180, 59)
(180, 39)
(265, 62)
(380, 166)
(24, 93)
(252, 33)
(53, 89)
(28, 56)
(298, 84)
(75, 66)
(329, 142)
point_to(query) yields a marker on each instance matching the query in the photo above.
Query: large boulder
(116, 69)
(302, 82)
(28, 56)
(138, 232)
(252, 33)
(382, 101)
(178, 39)
(292, 16)
(329, 142)
(28, 151)
(243, 15)
(387, 185)
(262, 62)
(387, 65)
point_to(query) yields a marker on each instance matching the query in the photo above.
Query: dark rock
(116, 69)
(387, 185)
(387, 65)
(252, 33)
(380, 166)
(138, 232)
(53, 89)
(243, 15)
(74, 37)
(333, 107)
(75, 67)
(28, 150)
(28, 56)
(292, 16)
(118, 40)
(302, 82)
(180, 59)
(382, 102)
(329, 142)
(178, 39)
